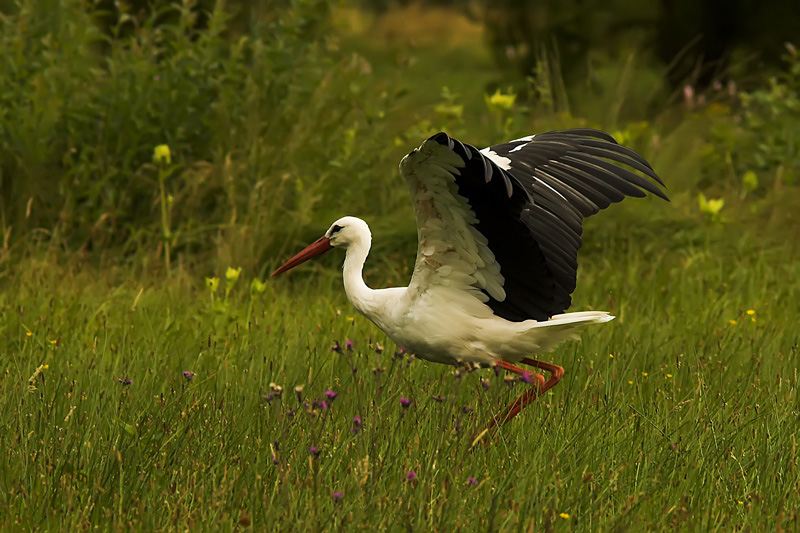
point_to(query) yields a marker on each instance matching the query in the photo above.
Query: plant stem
(166, 234)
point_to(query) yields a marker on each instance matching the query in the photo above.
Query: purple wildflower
(188, 374)
(125, 381)
(329, 394)
(337, 496)
(356, 425)
(405, 402)
(336, 347)
(314, 451)
(324, 405)
(411, 476)
(348, 345)
(526, 377)
(472, 481)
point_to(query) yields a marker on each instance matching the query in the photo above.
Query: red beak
(321, 245)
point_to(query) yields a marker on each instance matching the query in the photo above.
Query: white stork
(499, 231)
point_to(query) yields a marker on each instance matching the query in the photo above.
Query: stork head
(347, 231)
(344, 232)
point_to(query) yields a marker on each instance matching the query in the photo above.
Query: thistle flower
(188, 374)
(357, 421)
(405, 402)
(336, 347)
(348, 345)
(277, 390)
(125, 381)
(337, 496)
(472, 481)
(314, 451)
(329, 394)
(411, 476)
(526, 377)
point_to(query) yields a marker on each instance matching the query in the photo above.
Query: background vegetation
(149, 370)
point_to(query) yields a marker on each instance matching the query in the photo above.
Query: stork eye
(336, 229)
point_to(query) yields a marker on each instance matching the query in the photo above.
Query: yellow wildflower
(162, 155)
(564, 515)
(733, 322)
(212, 284)
(257, 286)
(29, 334)
(232, 274)
(669, 375)
(751, 312)
(710, 207)
(644, 374)
(499, 102)
(750, 181)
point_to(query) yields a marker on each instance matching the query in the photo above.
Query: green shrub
(260, 126)
(762, 137)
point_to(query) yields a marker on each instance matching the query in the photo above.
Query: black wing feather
(531, 213)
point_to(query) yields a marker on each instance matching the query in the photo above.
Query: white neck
(361, 296)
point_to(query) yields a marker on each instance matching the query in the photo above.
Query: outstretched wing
(504, 224)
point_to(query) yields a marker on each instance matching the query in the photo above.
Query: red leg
(556, 373)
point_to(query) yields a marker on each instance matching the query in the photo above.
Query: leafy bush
(258, 125)
(761, 141)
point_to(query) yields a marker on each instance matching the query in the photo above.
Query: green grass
(275, 131)
(692, 424)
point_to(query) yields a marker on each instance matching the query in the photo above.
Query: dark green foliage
(256, 122)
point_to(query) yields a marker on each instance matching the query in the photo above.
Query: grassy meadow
(155, 378)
